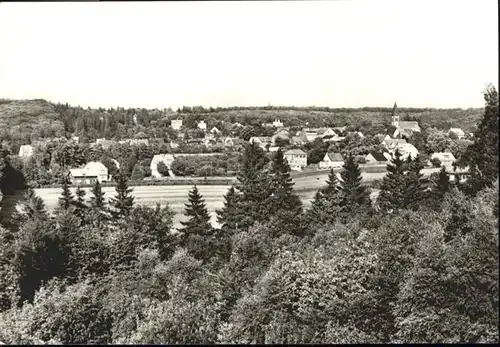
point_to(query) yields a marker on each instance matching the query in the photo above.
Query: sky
(347, 53)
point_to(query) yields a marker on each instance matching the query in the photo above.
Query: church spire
(395, 118)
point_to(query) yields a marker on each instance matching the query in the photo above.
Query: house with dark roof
(308, 135)
(322, 132)
(332, 160)
(377, 158)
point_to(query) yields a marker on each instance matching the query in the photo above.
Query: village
(294, 145)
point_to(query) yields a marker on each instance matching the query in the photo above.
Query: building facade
(297, 159)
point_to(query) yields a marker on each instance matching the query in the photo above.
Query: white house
(165, 158)
(26, 151)
(202, 125)
(297, 159)
(98, 168)
(135, 118)
(446, 159)
(393, 143)
(406, 149)
(81, 176)
(214, 130)
(277, 123)
(457, 131)
(89, 174)
(139, 142)
(332, 160)
(176, 124)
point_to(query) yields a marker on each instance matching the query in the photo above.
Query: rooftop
(295, 152)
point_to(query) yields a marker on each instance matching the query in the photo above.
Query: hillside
(24, 120)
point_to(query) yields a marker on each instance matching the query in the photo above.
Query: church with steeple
(403, 128)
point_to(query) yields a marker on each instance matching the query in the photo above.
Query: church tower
(395, 118)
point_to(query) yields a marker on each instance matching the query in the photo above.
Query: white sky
(423, 53)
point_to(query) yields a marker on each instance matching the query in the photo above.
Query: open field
(177, 195)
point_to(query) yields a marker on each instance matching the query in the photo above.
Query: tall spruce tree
(66, 200)
(253, 184)
(483, 155)
(325, 206)
(355, 197)
(226, 216)
(332, 184)
(196, 211)
(392, 189)
(81, 207)
(123, 202)
(414, 189)
(282, 198)
(97, 199)
(98, 210)
(196, 232)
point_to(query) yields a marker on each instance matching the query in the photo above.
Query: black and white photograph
(249, 172)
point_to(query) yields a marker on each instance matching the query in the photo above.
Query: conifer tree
(98, 209)
(326, 204)
(332, 184)
(392, 189)
(414, 189)
(226, 216)
(196, 232)
(123, 202)
(97, 199)
(253, 185)
(66, 200)
(441, 186)
(281, 186)
(483, 155)
(80, 205)
(354, 195)
(443, 183)
(196, 210)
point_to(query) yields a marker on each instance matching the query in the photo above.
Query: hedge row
(208, 181)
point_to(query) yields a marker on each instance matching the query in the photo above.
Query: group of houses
(296, 158)
(97, 171)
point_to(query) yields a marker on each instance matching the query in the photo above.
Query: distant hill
(23, 120)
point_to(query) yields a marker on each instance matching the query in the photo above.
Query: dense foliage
(419, 266)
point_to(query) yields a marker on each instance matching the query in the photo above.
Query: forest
(420, 265)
